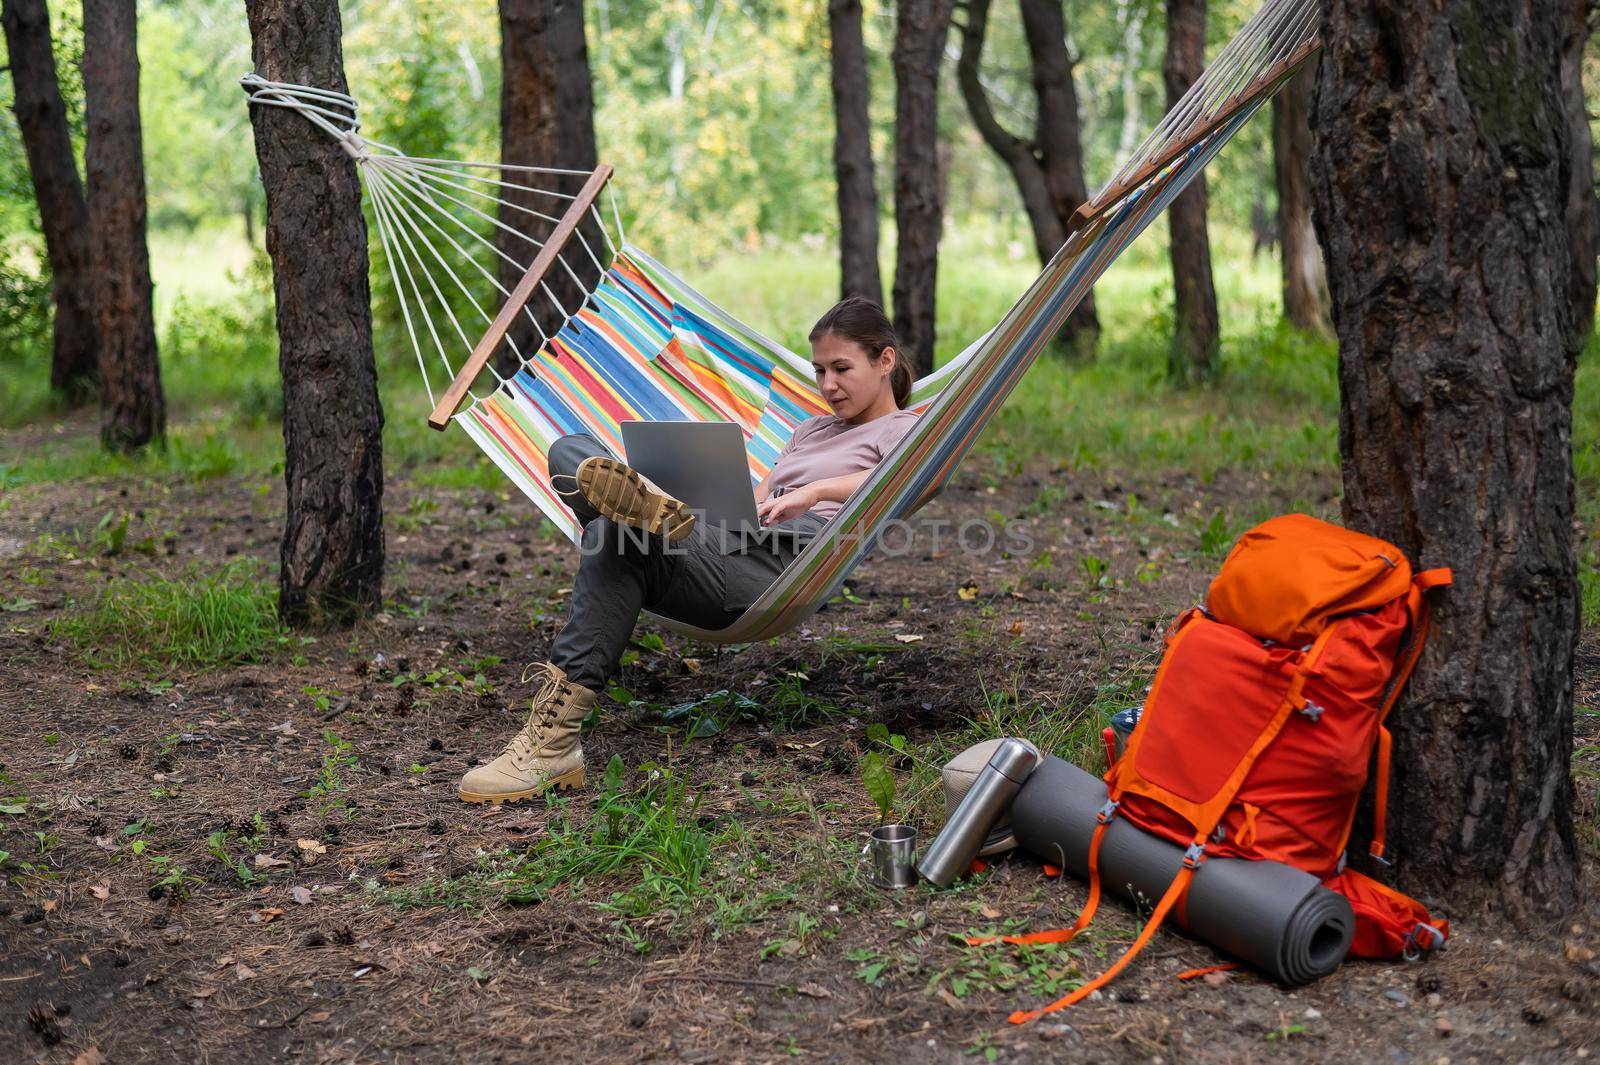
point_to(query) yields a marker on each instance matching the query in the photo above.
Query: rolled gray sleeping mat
(1272, 916)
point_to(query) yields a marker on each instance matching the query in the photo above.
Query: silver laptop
(701, 463)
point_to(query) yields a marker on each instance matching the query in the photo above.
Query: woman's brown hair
(862, 322)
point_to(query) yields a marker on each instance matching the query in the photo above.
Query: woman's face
(848, 378)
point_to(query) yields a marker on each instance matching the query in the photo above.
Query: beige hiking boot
(545, 754)
(622, 494)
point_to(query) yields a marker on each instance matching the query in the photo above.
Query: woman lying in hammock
(706, 577)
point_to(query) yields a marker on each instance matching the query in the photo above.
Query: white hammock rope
(437, 220)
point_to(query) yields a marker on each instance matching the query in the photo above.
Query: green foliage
(879, 782)
(197, 621)
(647, 841)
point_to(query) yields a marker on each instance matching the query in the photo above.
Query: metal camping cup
(890, 855)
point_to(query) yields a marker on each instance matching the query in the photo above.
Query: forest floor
(266, 860)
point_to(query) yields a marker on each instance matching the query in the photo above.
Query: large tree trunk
(1443, 148)
(546, 119)
(1048, 169)
(852, 155)
(63, 214)
(1305, 285)
(133, 411)
(1195, 337)
(918, 196)
(1582, 224)
(332, 550)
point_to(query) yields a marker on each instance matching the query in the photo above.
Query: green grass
(196, 622)
(645, 842)
(1274, 409)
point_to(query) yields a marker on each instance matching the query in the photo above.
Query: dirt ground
(355, 940)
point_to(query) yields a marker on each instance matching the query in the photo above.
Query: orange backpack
(1257, 733)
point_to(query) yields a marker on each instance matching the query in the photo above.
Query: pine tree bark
(852, 155)
(1048, 168)
(546, 119)
(1582, 223)
(332, 553)
(63, 214)
(1305, 285)
(1443, 147)
(133, 410)
(918, 192)
(1196, 329)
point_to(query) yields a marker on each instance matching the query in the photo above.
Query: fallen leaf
(302, 895)
(950, 1000)
(264, 861)
(1579, 953)
(100, 891)
(814, 991)
(1443, 1027)
(1016, 628)
(1216, 979)
(477, 974)
(692, 665)
(225, 961)
(105, 843)
(967, 591)
(203, 992)
(906, 637)
(243, 972)
(319, 1016)
(268, 915)
(287, 728)
(311, 846)
(92, 1056)
(48, 905)
(989, 913)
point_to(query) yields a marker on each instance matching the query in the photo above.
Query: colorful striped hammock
(646, 345)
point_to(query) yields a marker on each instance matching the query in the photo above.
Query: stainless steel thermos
(952, 851)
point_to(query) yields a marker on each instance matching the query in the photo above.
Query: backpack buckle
(1194, 855)
(1107, 812)
(1415, 948)
(1313, 711)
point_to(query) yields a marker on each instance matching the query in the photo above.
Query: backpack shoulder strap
(1417, 604)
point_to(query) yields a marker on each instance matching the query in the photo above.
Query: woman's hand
(791, 504)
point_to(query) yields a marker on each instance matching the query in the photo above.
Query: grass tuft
(199, 621)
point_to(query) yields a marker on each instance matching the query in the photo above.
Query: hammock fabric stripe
(633, 352)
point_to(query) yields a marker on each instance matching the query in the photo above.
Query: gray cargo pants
(706, 579)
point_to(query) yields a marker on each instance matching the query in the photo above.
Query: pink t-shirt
(828, 446)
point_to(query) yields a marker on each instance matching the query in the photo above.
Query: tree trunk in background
(332, 550)
(1305, 285)
(1443, 148)
(852, 155)
(1059, 145)
(546, 119)
(133, 411)
(1048, 169)
(63, 214)
(1582, 224)
(1195, 336)
(918, 200)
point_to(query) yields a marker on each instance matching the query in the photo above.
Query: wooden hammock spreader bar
(457, 392)
(1114, 193)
